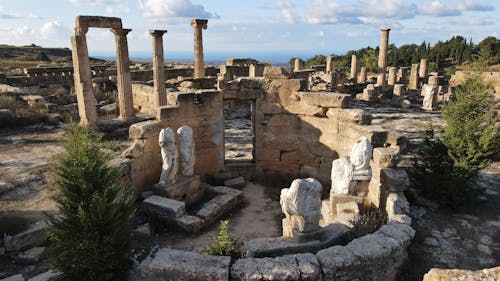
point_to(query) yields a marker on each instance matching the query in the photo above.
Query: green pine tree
(91, 237)
(471, 135)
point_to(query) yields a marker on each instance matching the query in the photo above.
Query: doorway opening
(239, 131)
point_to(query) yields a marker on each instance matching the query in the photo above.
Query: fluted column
(382, 56)
(160, 97)
(125, 99)
(199, 67)
(83, 77)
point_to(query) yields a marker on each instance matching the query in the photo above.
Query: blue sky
(245, 28)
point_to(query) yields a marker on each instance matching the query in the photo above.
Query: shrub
(91, 236)
(368, 221)
(22, 114)
(42, 56)
(224, 244)
(471, 135)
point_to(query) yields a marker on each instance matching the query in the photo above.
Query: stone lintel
(202, 23)
(157, 32)
(97, 21)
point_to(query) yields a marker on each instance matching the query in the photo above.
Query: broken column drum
(354, 67)
(199, 67)
(160, 97)
(341, 176)
(124, 85)
(362, 75)
(382, 56)
(413, 83)
(424, 65)
(329, 64)
(169, 156)
(297, 65)
(187, 149)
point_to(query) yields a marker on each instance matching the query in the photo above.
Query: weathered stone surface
(186, 189)
(353, 115)
(300, 267)
(164, 206)
(360, 156)
(111, 108)
(325, 99)
(235, 183)
(430, 97)
(279, 246)
(341, 176)
(46, 276)
(145, 130)
(385, 157)
(142, 231)
(339, 199)
(170, 264)
(273, 72)
(187, 150)
(35, 235)
(437, 274)
(5, 185)
(302, 199)
(169, 155)
(17, 277)
(394, 179)
(30, 256)
(334, 259)
(397, 204)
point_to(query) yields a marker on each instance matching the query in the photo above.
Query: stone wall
(143, 96)
(299, 134)
(202, 111)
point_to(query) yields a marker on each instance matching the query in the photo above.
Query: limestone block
(304, 267)
(437, 274)
(273, 72)
(376, 194)
(324, 125)
(164, 206)
(145, 129)
(385, 157)
(170, 264)
(305, 109)
(357, 116)
(325, 99)
(35, 235)
(279, 246)
(238, 182)
(267, 154)
(394, 179)
(430, 97)
(186, 149)
(348, 207)
(334, 259)
(30, 256)
(270, 108)
(301, 203)
(340, 199)
(397, 204)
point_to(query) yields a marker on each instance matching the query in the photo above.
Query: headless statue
(169, 156)
(185, 134)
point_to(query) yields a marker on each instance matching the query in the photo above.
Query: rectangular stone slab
(165, 207)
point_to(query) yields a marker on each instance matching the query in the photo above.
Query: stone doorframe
(252, 101)
(83, 74)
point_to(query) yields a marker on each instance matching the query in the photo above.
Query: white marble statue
(429, 97)
(361, 154)
(185, 134)
(303, 198)
(342, 176)
(169, 156)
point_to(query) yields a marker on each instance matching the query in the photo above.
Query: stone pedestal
(125, 99)
(382, 56)
(186, 189)
(160, 95)
(199, 67)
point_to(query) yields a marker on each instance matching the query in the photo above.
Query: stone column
(297, 65)
(423, 71)
(391, 80)
(199, 67)
(354, 67)
(413, 84)
(83, 78)
(329, 64)
(382, 56)
(160, 96)
(362, 75)
(399, 90)
(124, 85)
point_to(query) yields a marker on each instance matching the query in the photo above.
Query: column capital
(81, 30)
(157, 32)
(120, 31)
(385, 29)
(202, 23)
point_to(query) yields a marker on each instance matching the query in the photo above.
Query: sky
(257, 28)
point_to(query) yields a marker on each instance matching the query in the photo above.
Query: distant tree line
(455, 51)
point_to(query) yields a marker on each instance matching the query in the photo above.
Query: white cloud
(172, 10)
(9, 16)
(320, 33)
(53, 33)
(286, 8)
(452, 8)
(120, 9)
(361, 11)
(95, 2)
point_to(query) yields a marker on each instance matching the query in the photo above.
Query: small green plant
(42, 56)
(91, 236)
(224, 244)
(368, 221)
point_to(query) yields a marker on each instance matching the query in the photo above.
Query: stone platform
(219, 200)
(186, 189)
